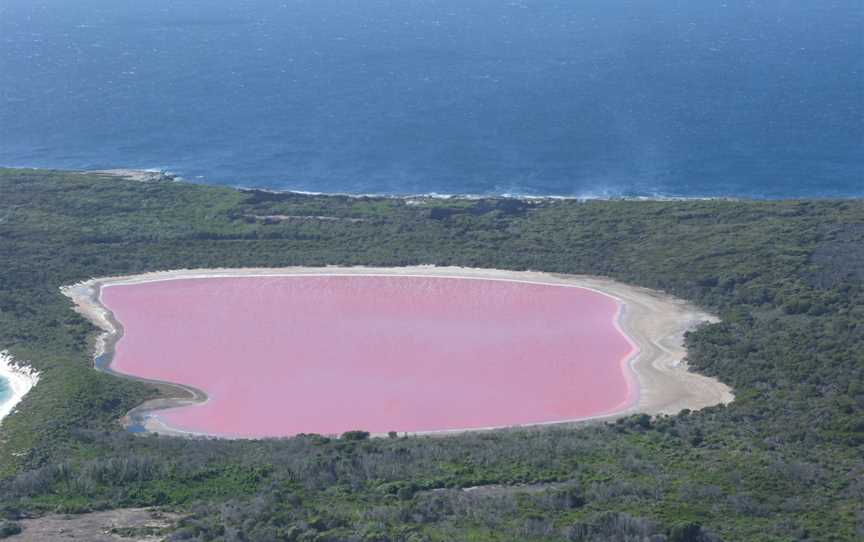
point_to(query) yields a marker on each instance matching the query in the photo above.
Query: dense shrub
(783, 462)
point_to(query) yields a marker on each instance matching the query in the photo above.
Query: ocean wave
(20, 379)
(590, 196)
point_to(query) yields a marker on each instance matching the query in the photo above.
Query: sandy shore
(21, 379)
(140, 175)
(655, 322)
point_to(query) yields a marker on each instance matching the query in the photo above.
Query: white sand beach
(21, 379)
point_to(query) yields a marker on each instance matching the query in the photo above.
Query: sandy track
(654, 321)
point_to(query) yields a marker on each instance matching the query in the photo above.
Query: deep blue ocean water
(555, 97)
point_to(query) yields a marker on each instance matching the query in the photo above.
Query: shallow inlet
(5, 390)
(279, 356)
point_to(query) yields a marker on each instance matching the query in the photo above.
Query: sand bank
(653, 321)
(21, 379)
(140, 175)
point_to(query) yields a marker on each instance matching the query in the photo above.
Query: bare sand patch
(655, 322)
(124, 524)
(139, 175)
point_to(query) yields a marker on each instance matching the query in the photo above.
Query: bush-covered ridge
(783, 462)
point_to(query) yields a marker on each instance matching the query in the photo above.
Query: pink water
(279, 356)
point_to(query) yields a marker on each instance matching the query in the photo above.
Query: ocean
(5, 390)
(588, 98)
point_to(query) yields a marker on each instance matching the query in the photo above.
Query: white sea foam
(21, 379)
(414, 198)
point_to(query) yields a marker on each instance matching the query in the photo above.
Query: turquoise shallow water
(5, 390)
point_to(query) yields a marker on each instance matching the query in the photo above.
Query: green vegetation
(8, 528)
(783, 462)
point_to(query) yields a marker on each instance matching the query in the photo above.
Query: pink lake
(278, 356)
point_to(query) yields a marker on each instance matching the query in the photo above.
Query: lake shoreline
(653, 322)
